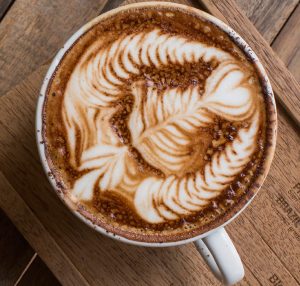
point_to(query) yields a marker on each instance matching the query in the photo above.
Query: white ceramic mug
(215, 246)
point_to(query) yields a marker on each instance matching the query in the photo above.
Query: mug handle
(221, 256)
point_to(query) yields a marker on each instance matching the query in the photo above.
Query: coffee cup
(212, 242)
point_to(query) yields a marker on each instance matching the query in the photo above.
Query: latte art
(157, 125)
(161, 123)
(157, 200)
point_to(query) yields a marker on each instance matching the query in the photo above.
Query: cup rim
(271, 130)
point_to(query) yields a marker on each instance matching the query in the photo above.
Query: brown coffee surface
(142, 137)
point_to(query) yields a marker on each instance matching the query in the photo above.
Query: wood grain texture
(15, 252)
(33, 31)
(268, 16)
(285, 86)
(38, 274)
(37, 235)
(286, 45)
(4, 7)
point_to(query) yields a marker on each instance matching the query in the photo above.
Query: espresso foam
(157, 123)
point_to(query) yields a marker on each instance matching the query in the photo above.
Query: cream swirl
(97, 80)
(157, 200)
(157, 130)
(162, 123)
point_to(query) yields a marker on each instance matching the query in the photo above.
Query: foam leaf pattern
(229, 92)
(157, 200)
(108, 167)
(162, 124)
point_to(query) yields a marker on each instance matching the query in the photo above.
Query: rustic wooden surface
(266, 234)
(15, 252)
(287, 46)
(38, 274)
(33, 30)
(268, 16)
(36, 233)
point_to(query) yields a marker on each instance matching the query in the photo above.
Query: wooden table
(266, 235)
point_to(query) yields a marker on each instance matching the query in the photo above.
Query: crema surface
(154, 124)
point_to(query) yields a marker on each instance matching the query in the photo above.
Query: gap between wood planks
(15, 251)
(38, 274)
(285, 24)
(4, 7)
(26, 268)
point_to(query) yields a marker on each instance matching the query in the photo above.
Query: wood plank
(15, 252)
(33, 31)
(37, 235)
(286, 45)
(285, 86)
(38, 274)
(256, 253)
(268, 16)
(4, 7)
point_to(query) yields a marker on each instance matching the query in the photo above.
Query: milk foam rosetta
(161, 124)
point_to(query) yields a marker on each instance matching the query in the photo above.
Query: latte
(155, 124)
